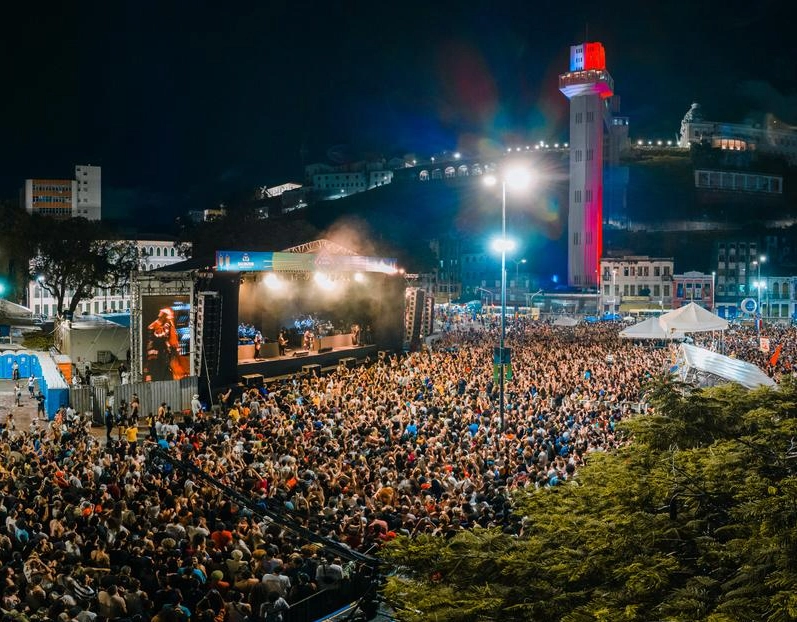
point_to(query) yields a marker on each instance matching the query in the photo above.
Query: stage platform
(291, 363)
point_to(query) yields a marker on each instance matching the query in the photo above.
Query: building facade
(588, 85)
(694, 287)
(66, 198)
(336, 182)
(635, 282)
(152, 253)
(739, 266)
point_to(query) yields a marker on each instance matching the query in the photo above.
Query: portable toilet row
(27, 363)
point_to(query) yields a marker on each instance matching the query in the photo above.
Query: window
(657, 291)
(632, 289)
(666, 271)
(625, 289)
(577, 196)
(666, 291)
(579, 155)
(579, 117)
(590, 154)
(588, 195)
(590, 117)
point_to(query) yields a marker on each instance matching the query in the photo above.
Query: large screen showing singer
(166, 340)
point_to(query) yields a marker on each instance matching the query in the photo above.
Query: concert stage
(293, 360)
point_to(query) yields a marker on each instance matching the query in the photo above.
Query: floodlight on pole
(516, 177)
(40, 280)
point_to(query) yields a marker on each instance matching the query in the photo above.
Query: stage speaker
(253, 380)
(300, 353)
(325, 349)
(350, 362)
(309, 369)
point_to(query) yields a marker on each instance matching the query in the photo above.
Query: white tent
(692, 318)
(565, 321)
(650, 328)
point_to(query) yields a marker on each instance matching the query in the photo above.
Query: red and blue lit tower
(588, 86)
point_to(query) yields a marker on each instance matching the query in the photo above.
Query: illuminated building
(66, 198)
(589, 88)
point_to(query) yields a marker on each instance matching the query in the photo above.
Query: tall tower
(588, 86)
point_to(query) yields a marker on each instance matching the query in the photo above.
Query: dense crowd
(90, 530)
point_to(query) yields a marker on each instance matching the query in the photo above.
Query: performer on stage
(355, 334)
(258, 341)
(308, 340)
(282, 341)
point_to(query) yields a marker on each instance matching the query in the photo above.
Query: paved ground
(22, 415)
(25, 414)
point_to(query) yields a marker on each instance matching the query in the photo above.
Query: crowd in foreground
(90, 530)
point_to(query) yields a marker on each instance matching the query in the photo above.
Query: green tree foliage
(74, 257)
(695, 520)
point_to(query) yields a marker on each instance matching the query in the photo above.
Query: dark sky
(183, 103)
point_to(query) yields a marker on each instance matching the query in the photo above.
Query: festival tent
(692, 318)
(706, 368)
(565, 321)
(650, 328)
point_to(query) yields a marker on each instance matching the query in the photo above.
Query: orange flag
(773, 360)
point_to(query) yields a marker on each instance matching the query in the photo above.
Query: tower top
(587, 56)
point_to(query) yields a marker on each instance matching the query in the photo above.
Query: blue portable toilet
(35, 366)
(52, 385)
(24, 365)
(7, 364)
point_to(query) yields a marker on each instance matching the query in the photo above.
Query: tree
(678, 525)
(76, 256)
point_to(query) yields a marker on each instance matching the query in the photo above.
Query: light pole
(713, 295)
(614, 290)
(760, 318)
(40, 281)
(486, 291)
(517, 271)
(517, 178)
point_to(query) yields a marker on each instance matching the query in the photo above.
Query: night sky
(185, 103)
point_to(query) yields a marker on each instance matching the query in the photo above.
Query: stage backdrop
(166, 337)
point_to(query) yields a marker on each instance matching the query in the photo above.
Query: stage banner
(257, 261)
(166, 339)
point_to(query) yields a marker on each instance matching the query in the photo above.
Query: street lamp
(614, 290)
(40, 281)
(517, 178)
(758, 284)
(486, 291)
(517, 272)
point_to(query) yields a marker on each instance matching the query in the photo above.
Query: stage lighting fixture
(274, 282)
(359, 277)
(323, 281)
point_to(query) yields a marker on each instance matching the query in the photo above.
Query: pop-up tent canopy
(692, 318)
(565, 321)
(650, 328)
(706, 368)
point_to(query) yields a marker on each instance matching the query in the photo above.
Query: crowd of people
(91, 530)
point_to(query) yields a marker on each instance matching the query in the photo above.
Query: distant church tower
(588, 86)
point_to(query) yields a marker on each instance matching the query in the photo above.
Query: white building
(772, 137)
(66, 198)
(336, 182)
(635, 282)
(153, 254)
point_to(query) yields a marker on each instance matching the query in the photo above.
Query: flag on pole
(773, 360)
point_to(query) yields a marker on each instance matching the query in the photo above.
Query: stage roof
(722, 368)
(257, 261)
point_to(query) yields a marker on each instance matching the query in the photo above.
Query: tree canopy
(696, 519)
(74, 257)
